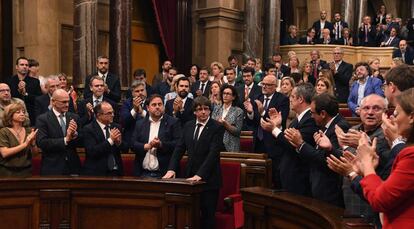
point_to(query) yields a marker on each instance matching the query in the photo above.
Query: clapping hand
(322, 141)
(294, 137)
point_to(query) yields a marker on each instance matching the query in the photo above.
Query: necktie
(62, 123)
(197, 132)
(315, 70)
(266, 104)
(337, 31)
(366, 33)
(202, 87)
(246, 93)
(96, 102)
(111, 159)
(104, 78)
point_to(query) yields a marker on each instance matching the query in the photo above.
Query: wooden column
(85, 36)
(253, 36)
(120, 12)
(183, 37)
(271, 38)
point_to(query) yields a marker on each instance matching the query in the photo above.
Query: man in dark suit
(141, 76)
(133, 110)
(104, 144)
(164, 87)
(326, 185)
(326, 37)
(338, 26)
(58, 138)
(112, 83)
(294, 171)
(391, 40)
(230, 77)
(234, 63)
(202, 140)
(202, 86)
(154, 140)
(162, 76)
(248, 91)
(24, 87)
(257, 110)
(85, 107)
(367, 33)
(317, 63)
(405, 52)
(182, 106)
(42, 103)
(309, 39)
(281, 69)
(342, 75)
(321, 24)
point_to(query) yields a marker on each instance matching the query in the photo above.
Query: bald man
(258, 109)
(58, 137)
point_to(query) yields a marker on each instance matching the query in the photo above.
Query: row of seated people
(291, 171)
(385, 32)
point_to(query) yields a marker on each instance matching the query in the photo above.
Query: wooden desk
(91, 202)
(264, 208)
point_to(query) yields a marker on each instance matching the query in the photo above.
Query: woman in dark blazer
(230, 116)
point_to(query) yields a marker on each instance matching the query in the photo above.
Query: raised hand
(389, 128)
(89, 108)
(136, 102)
(248, 106)
(275, 117)
(294, 137)
(259, 105)
(322, 141)
(31, 138)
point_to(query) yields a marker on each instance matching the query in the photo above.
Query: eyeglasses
(374, 108)
(268, 84)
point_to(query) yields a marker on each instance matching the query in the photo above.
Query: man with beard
(165, 86)
(154, 140)
(162, 76)
(25, 87)
(6, 99)
(133, 110)
(112, 83)
(321, 24)
(181, 106)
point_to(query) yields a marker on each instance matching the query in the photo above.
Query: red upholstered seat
(229, 214)
(246, 144)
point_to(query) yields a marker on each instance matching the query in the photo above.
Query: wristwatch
(351, 175)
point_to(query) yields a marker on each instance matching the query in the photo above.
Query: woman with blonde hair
(16, 143)
(216, 72)
(215, 94)
(294, 64)
(307, 76)
(327, 73)
(374, 64)
(286, 87)
(63, 78)
(323, 85)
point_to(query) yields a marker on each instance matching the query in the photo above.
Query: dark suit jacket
(169, 133)
(186, 115)
(83, 111)
(196, 86)
(304, 41)
(342, 77)
(326, 185)
(408, 56)
(322, 65)
(163, 88)
(394, 43)
(267, 145)
(150, 90)
(294, 171)
(336, 30)
(57, 158)
(128, 121)
(203, 155)
(113, 83)
(371, 35)
(288, 40)
(321, 41)
(42, 104)
(33, 90)
(317, 26)
(98, 150)
(255, 92)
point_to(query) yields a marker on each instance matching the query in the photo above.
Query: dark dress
(19, 164)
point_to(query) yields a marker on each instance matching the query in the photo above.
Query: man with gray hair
(342, 72)
(133, 109)
(6, 99)
(294, 171)
(43, 103)
(372, 109)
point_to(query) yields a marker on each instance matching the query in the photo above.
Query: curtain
(166, 15)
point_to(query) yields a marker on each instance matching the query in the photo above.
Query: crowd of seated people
(291, 108)
(381, 30)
